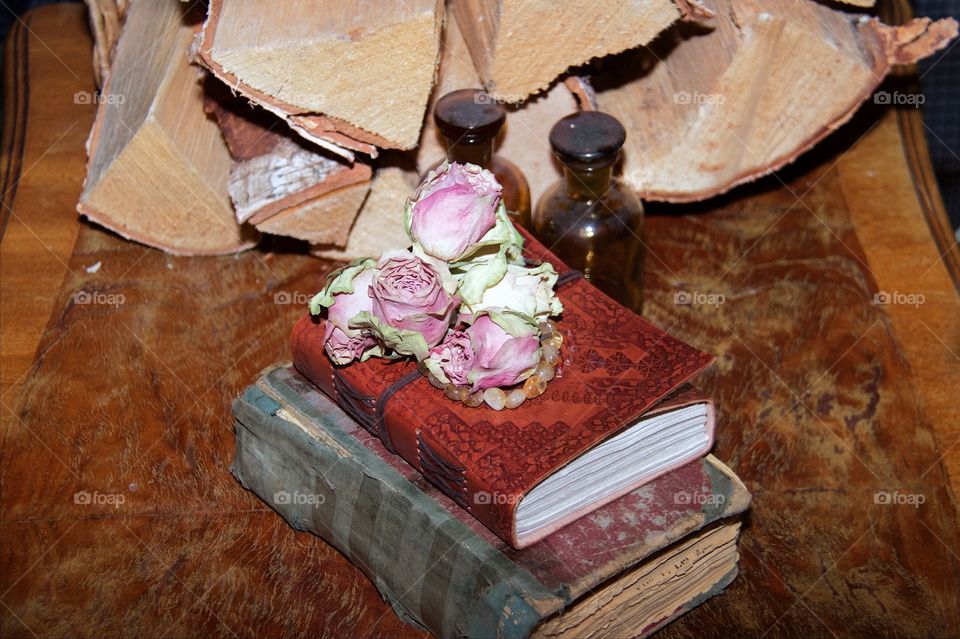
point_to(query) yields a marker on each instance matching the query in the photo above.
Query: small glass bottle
(469, 121)
(590, 221)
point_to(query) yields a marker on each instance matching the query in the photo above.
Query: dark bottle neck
(479, 153)
(588, 183)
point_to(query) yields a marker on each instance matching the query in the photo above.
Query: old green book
(622, 571)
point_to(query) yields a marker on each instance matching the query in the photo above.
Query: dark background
(939, 84)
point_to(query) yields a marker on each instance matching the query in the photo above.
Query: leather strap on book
(392, 390)
(567, 277)
(369, 411)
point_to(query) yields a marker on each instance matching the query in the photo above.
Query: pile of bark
(311, 118)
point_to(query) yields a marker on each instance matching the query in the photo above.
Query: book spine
(434, 571)
(419, 449)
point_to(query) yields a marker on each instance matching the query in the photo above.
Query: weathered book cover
(436, 565)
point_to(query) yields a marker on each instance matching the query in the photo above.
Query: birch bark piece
(276, 171)
(289, 176)
(724, 102)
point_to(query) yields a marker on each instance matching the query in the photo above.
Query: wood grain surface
(43, 170)
(118, 515)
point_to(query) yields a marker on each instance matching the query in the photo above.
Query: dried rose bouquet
(461, 300)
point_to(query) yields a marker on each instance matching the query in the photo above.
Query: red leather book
(619, 414)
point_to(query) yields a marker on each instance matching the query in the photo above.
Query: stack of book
(594, 510)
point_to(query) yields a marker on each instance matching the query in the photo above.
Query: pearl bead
(554, 341)
(515, 398)
(552, 358)
(495, 398)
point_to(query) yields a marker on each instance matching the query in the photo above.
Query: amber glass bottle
(469, 121)
(587, 219)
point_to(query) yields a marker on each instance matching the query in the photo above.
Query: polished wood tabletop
(828, 292)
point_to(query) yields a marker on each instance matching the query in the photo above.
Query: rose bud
(457, 210)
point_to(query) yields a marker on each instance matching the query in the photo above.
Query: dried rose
(346, 296)
(506, 349)
(456, 211)
(451, 360)
(525, 290)
(413, 302)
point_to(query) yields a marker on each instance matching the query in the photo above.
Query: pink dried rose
(343, 348)
(346, 297)
(452, 210)
(506, 349)
(451, 360)
(413, 302)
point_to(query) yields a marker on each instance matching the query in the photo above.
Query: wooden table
(118, 516)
